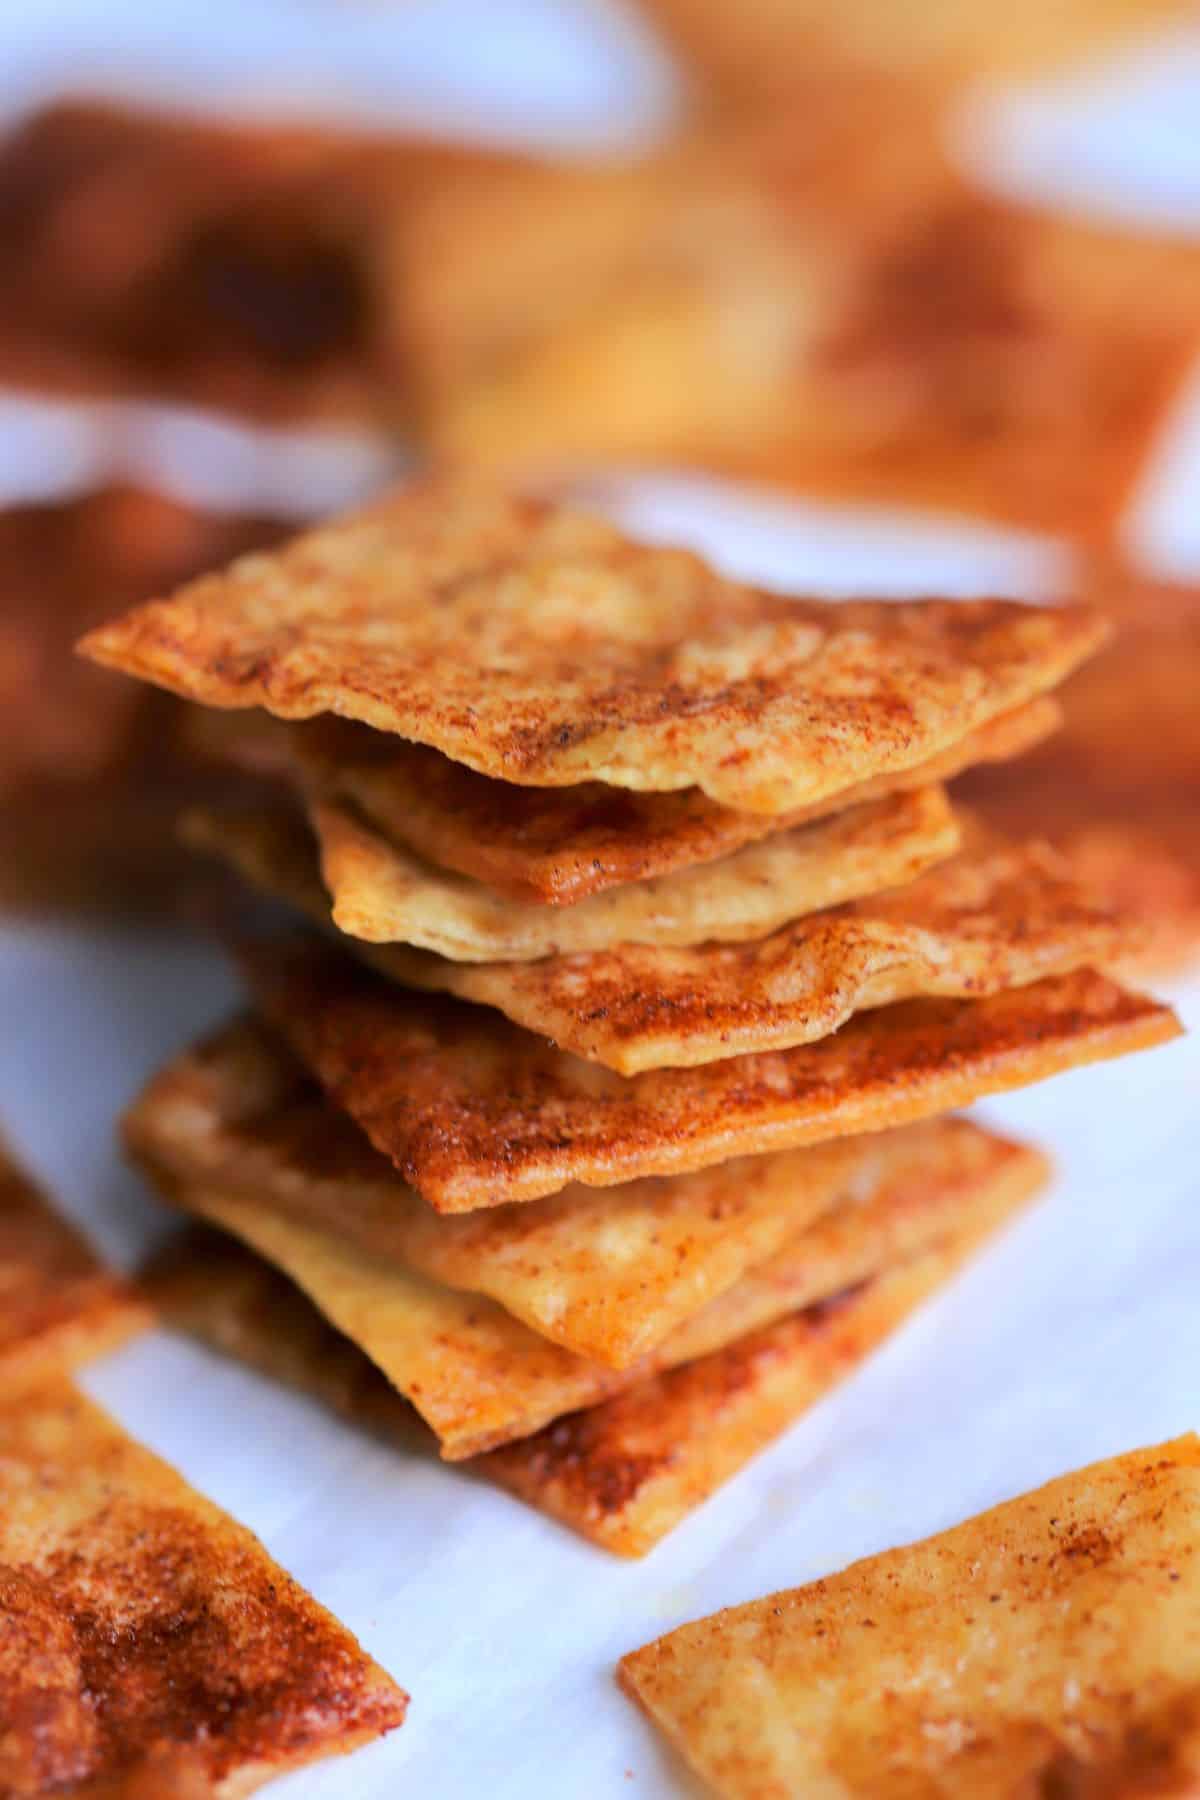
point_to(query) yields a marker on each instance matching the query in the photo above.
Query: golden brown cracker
(543, 646)
(558, 846)
(151, 1646)
(59, 1306)
(479, 1377)
(384, 894)
(1050, 1645)
(475, 1112)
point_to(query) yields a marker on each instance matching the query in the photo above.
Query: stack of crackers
(599, 1118)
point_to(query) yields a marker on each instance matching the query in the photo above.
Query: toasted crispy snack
(557, 846)
(545, 647)
(1050, 1646)
(741, 52)
(150, 1645)
(773, 298)
(58, 1305)
(624, 1472)
(627, 1470)
(480, 1378)
(475, 1112)
(221, 263)
(607, 1274)
(1119, 791)
(992, 919)
(85, 812)
(384, 894)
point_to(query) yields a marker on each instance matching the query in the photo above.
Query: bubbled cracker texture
(542, 646)
(1051, 1646)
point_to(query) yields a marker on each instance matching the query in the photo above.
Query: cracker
(1050, 1645)
(479, 1377)
(624, 1472)
(150, 1644)
(1121, 796)
(59, 1306)
(557, 846)
(384, 894)
(475, 1112)
(996, 918)
(543, 646)
(606, 1273)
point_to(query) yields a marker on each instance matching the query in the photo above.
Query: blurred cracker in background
(814, 298)
(1118, 788)
(92, 771)
(225, 264)
(745, 50)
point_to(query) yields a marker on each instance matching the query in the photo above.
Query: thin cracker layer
(384, 894)
(606, 1273)
(1051, 1645)
(150, 1644)
(996, 917)
(626, 1471)
(558, 846)
(544, 647)
(475, 1112)
(480, 1378)
(59, 1306)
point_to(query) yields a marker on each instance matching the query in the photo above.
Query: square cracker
(1049, 1646)
(475, 1112)
(607, 1273)
(995, 918)
(479, 1377)
(626, 1471)
(543, 646)
(558, 846)
(382, 893)
(59, 1306)
(151, 1646)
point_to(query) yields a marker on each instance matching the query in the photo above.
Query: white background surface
(1077, 1336)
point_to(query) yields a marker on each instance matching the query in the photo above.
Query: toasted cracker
(1119, 790)
(607, 1274)
(542, 646)
(475, 1112)
(557, 846)
(1050, 1645)
(627, 1470)
(626, 1473)
(384, 894)
(480, 1378)
(995, 918)
(59, 1306)
(151, 1646)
